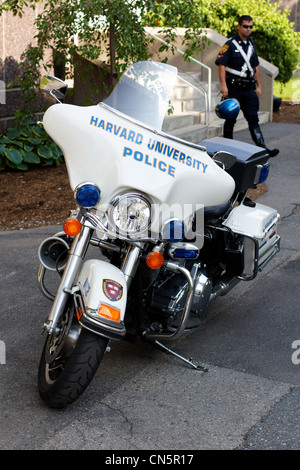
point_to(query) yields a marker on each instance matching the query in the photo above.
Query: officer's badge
(112, 290)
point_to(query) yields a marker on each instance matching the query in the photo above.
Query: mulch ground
(42, 196)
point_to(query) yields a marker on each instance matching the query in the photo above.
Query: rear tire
(69, 362)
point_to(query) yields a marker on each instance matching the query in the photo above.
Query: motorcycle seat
(215, 212)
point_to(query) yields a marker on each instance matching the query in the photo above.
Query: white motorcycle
(171, 222)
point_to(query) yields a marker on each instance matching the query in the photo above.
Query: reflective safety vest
(246, 57)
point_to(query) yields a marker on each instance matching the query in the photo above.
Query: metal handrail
(208, 93)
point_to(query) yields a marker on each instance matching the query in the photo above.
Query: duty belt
(242, 83)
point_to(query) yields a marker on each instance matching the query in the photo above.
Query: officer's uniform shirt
(231, 57)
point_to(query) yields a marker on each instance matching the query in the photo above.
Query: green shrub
(273, 33)
(29, 145)
(288, 91)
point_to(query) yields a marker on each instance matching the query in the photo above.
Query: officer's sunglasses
(246, 26)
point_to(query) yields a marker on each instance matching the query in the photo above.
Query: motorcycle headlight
(130, 214)
(87, 195)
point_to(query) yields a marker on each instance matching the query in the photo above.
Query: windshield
(144, 91)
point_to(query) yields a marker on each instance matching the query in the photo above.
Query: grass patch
(288, 91)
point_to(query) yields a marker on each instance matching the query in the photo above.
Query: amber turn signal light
(155, 260)
(72, 227)
(110, 312)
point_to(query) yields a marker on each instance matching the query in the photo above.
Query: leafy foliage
(110, 29)
(274, 34)
(275, 38)
(174, 14)
(30, 145)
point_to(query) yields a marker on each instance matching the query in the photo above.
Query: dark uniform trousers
(241, 85)
(249, 103)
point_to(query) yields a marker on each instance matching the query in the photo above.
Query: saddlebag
(258, 227)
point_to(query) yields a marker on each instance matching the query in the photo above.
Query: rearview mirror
(54, 87)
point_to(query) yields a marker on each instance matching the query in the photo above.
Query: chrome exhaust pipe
(223, 287)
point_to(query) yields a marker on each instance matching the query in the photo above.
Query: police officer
(239, 77)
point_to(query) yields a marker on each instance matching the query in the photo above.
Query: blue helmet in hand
(228, 108)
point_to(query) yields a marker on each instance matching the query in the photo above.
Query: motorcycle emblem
(86, 287)
(112, 290)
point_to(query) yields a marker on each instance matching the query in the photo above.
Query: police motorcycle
(162, 228)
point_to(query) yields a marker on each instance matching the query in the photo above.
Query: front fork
(76, 255)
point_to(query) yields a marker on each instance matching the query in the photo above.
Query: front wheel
(69, 361)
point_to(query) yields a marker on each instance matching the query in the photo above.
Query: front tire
(69, 362)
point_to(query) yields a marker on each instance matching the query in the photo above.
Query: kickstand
(188, 361)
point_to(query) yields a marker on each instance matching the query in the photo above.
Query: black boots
(273, 152)
(227, 133)
(258, 139)
(256, 135)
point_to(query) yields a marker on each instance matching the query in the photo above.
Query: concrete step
(183, 91)
(197, 132)
(181, 120)
(187, 98)
(193, 104)
(194, 79)
(189, 120)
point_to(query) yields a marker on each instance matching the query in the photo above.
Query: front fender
(104, 293)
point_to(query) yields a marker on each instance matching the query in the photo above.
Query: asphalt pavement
(143, 399)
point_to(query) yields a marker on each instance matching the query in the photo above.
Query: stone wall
(16, 35)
